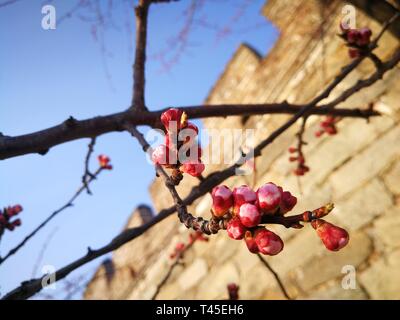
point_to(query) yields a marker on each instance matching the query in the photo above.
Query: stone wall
(358, 170)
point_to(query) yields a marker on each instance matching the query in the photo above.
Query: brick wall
(358, 170)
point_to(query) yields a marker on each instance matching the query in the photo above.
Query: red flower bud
(354, 53)
(222, 200)
(292, 149)
(104, 162)
(14, 210)
(319, 133)
(179, 246)
(233, 291)
(249, 215)
(250, 242)
(10, 227)
(352, 36)
(241, 195)
(193, 168)
(16, 223)
(268, 198)
(364, 36)
(268, 242)
(287, 201)
(235, 229)
(333, 237)
(331, 130)
(171, 119)
(192, 126)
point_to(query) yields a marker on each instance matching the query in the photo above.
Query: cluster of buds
(328, 125)
(181, 150)
(244, 209)
(180, 247)
(104, 162)
(5, 218)
(297, 156)
(357, 40)
(233, 291)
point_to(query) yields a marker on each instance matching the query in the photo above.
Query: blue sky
(48, 75)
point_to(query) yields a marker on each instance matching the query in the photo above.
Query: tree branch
(41, 141)
(141, 12)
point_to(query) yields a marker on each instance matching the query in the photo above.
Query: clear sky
(48, 75)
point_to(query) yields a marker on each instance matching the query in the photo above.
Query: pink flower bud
(222, 200)
(250, 242)
(235, 229)
(193, 168)
(268, 198)
(241, 195)
(171, 119)
(333, 237)
(249, 215)
(268, 242)
(162, 155)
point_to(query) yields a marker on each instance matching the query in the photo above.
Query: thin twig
(42, 251)
(49, 218)
(276, 276)
(87, 174)
(176, 262)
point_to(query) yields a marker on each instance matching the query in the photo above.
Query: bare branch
(141, 12)
(71, 129)
(7, 2)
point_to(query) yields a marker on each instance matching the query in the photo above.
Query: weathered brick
(193, 274)
(386, 229)
(217, 279)
(362, 206)
(382, 279)
(392, 178)
(334, 290)
(367, 164)
(329, 264)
